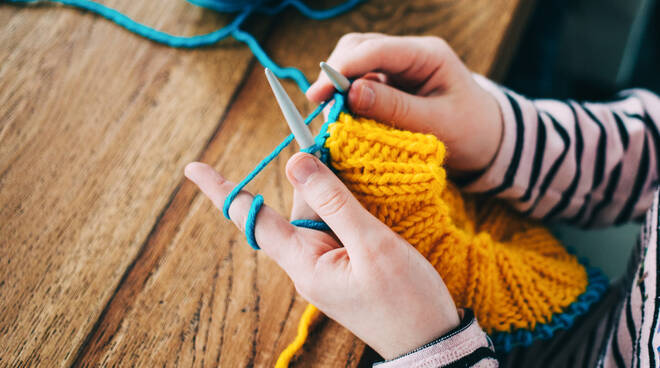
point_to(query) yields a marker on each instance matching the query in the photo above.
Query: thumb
(355, 227)
(387, 104)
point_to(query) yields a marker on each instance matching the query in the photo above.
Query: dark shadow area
(590, 50)
(570, 49)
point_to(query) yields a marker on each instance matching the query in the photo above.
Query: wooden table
(108, 256)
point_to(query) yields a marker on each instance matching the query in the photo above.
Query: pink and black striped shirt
(588, 164)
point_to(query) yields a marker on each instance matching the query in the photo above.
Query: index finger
(276, 236)
(322, 88)
(409, 60)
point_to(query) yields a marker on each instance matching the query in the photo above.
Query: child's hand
(367, 278)
(418, 84)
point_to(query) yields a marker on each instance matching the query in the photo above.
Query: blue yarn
(290, 73)
(250, 222)
(311, 224)
(227, 6)
(319, 145)
(232, 6)
(232, 195)
(244, 8)
(145, 31)
(257, 202)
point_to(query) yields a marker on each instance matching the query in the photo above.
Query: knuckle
(350, 38)
(438, 42)
(388, 250)
(367, 41)
(383, 246)
(434, 42)
(331, 201)
(373, 45)
(442, 48)
(238, 211)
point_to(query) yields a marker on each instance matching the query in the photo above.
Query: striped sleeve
(622, 329)
(585, 163)
(634, 339)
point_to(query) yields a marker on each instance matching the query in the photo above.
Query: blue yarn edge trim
(597, 285)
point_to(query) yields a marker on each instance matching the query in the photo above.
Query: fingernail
(366, 97)
(304, 168)
(191, 171)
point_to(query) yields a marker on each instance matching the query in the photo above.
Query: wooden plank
(197, 295)
(96, 126)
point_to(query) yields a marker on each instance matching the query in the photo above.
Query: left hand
(367, 278)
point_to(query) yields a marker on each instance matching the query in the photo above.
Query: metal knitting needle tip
(300, 131)
(341, 83)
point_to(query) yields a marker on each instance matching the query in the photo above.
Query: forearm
(585, 163)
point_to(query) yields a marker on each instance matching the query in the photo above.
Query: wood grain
(112, 258)
(96, 126)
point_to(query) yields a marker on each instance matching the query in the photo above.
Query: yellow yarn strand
(510, 270)
(308, 317)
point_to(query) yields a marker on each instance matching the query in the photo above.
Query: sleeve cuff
(466, 345)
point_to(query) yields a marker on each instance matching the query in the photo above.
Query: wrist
(480, 123)
(421, 335)
(513, 111)
(466, 341)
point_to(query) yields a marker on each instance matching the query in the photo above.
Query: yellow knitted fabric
(511, 271)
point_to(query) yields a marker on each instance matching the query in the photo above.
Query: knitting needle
(300, 130)
(340, 82)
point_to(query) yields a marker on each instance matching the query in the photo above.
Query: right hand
(418, 84)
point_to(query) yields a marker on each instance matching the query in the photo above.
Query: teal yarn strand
(257, 202)
(146, 31)
(261, 55)
(227, 6)
(262, 165)
(311, 224)
(244, 9)
(232, 6)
